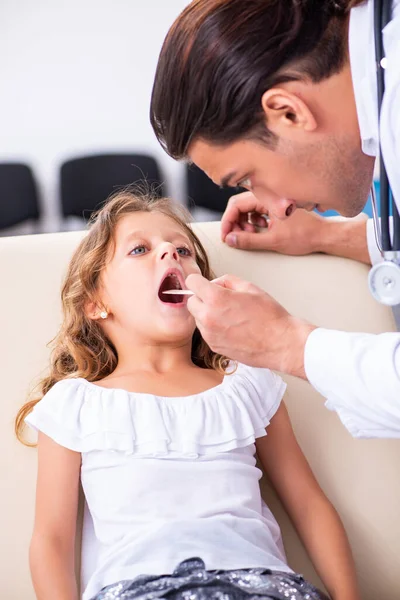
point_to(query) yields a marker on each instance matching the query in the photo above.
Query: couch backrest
(360, 477)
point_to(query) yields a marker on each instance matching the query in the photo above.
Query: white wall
(76, 78)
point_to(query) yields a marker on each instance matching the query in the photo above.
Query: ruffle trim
(85, 417)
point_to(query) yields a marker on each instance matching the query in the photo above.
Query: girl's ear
(95, 313)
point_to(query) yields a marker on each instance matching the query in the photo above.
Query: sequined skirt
(191, 581)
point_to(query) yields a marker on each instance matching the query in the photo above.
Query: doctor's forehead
(221, 163)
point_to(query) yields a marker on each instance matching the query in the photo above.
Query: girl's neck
(155, 359)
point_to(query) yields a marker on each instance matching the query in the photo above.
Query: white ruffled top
(169, 478)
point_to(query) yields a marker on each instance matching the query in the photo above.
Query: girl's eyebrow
(135, 234)
(141, 233)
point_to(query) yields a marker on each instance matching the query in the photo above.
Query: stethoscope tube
(382, 16)
(381, 12)
(386, 15)
(384, 277)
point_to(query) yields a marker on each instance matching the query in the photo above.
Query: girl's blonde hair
(81, 348)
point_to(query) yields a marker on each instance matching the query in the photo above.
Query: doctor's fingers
(252, 240)
(300, 234)
(206, 318)
(296, 235)
(237, 212)
(203, 289)
(236, 284)
(250, 221)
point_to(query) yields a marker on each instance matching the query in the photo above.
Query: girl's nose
(168, 251)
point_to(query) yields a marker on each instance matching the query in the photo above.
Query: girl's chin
(177, 332)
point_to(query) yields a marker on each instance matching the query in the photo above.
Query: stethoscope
(384, 277)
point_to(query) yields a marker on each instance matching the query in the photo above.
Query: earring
(104, 314)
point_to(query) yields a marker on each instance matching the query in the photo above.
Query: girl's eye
(139, 250)
(183, 251)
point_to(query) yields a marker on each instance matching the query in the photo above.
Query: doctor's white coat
(359, 374)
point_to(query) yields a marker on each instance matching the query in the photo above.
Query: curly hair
(81, 348)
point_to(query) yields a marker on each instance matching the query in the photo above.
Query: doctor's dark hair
(220, 56)
(81, 347)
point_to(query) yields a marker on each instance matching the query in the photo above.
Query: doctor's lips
(309, 207)
(172, 280)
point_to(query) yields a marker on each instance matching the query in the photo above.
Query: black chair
(18, 195)
(87, 182)
(202, 191)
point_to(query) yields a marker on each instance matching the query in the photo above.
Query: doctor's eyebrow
(225, 182)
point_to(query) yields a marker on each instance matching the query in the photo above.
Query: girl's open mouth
(171, 282)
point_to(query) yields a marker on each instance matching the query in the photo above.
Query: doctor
(280, 97)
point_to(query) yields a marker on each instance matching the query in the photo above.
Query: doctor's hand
(296, 235)
(301, 233)
(241, 321)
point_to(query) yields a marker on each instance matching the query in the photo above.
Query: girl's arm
(51, 554)
(314, 517)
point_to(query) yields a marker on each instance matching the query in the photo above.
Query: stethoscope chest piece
(384, 282)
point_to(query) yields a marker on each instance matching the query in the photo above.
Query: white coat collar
(362, 62)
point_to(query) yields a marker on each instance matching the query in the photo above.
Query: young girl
(162, 434)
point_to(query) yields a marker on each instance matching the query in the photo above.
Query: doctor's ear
(286, 113)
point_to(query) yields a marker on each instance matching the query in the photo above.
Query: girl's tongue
(171, 282)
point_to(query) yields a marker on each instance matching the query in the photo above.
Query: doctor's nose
(168, 250)
(282, 208)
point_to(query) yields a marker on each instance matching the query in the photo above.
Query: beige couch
(362, 478)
